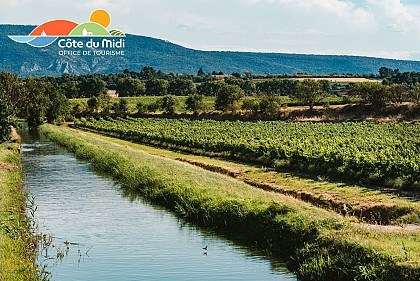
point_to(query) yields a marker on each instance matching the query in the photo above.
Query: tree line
(30, 99)
(45, 98)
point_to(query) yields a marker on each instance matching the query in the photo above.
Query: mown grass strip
(318, 244)
(365, 204)
(17, 244)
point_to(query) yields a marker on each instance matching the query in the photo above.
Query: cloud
(369, 27)
(395, 16)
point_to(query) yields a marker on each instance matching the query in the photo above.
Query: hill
(143, 51)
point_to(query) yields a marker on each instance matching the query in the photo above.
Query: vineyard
(380, 154)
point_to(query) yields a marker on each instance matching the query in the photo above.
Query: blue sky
(380, 28)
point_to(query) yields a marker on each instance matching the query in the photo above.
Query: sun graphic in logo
(101, 17)
(46, 33)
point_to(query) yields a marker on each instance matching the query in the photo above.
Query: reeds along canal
(99, 233)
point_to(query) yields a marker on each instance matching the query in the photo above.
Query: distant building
(112, 93)
(86, 33)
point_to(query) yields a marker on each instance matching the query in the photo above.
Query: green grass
(208, 101)
(319, 245)
(365, 152)
(17, 245)
(366, 205)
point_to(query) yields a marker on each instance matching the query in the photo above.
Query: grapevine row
(371, 153)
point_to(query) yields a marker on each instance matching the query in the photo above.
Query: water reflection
(102, 233)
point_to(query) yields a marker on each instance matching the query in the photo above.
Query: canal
(96, 232)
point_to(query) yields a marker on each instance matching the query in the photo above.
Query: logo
(48, 32)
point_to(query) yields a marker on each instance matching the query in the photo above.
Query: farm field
(171, 177)
(376, 154)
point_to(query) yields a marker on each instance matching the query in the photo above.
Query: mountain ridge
(163, 55)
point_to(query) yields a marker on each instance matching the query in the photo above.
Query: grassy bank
(364, 204)
(17, 245)
(318, 244)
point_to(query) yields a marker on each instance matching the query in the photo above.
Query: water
(101, 234)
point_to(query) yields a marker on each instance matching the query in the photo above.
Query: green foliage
(154, 106)
(59, 106)
(386, 72)
(4, 123)
(195, 103)
(71, 89)
(200, 72)
(36, 102)
(182, 87)
(93, 104)
(249, 87)
(383, 154)
(228, 98)
(309, 92)
(141, 107)
(414, 94)
(250, 104)
(129, 87)
(92, 87)
(169, 104)
(17, 243)
(281, 87)
(370, 93)
(10, 100)
(399, 93)
(121, 108)
(157, 87)
(210, 88)
(269, 105)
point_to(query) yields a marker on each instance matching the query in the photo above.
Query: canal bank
(319, 245)
(17, 244)
(99, 231)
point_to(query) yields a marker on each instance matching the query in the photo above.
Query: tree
(249, 87)
(194, 103)
(36, 102)
(141, 107)
(385, 72)
(210, 88)
(269, 105)
(182, 87)
(148, 73)
(93, 104)
(370, 93)
(71, 89)
(157, 87)
(4, 122)
(59, 105)
(281, 87)
(92, 87)
(399, 93)
(201, 72)
(169, 104)
(250, 104)
(414, 94)
(154, 106)
(228, 98)
(326, 86)
(309, 92)
(11, 97)
(121, 108)
(129, 87)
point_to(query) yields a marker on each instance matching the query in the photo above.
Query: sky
(377, 28)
